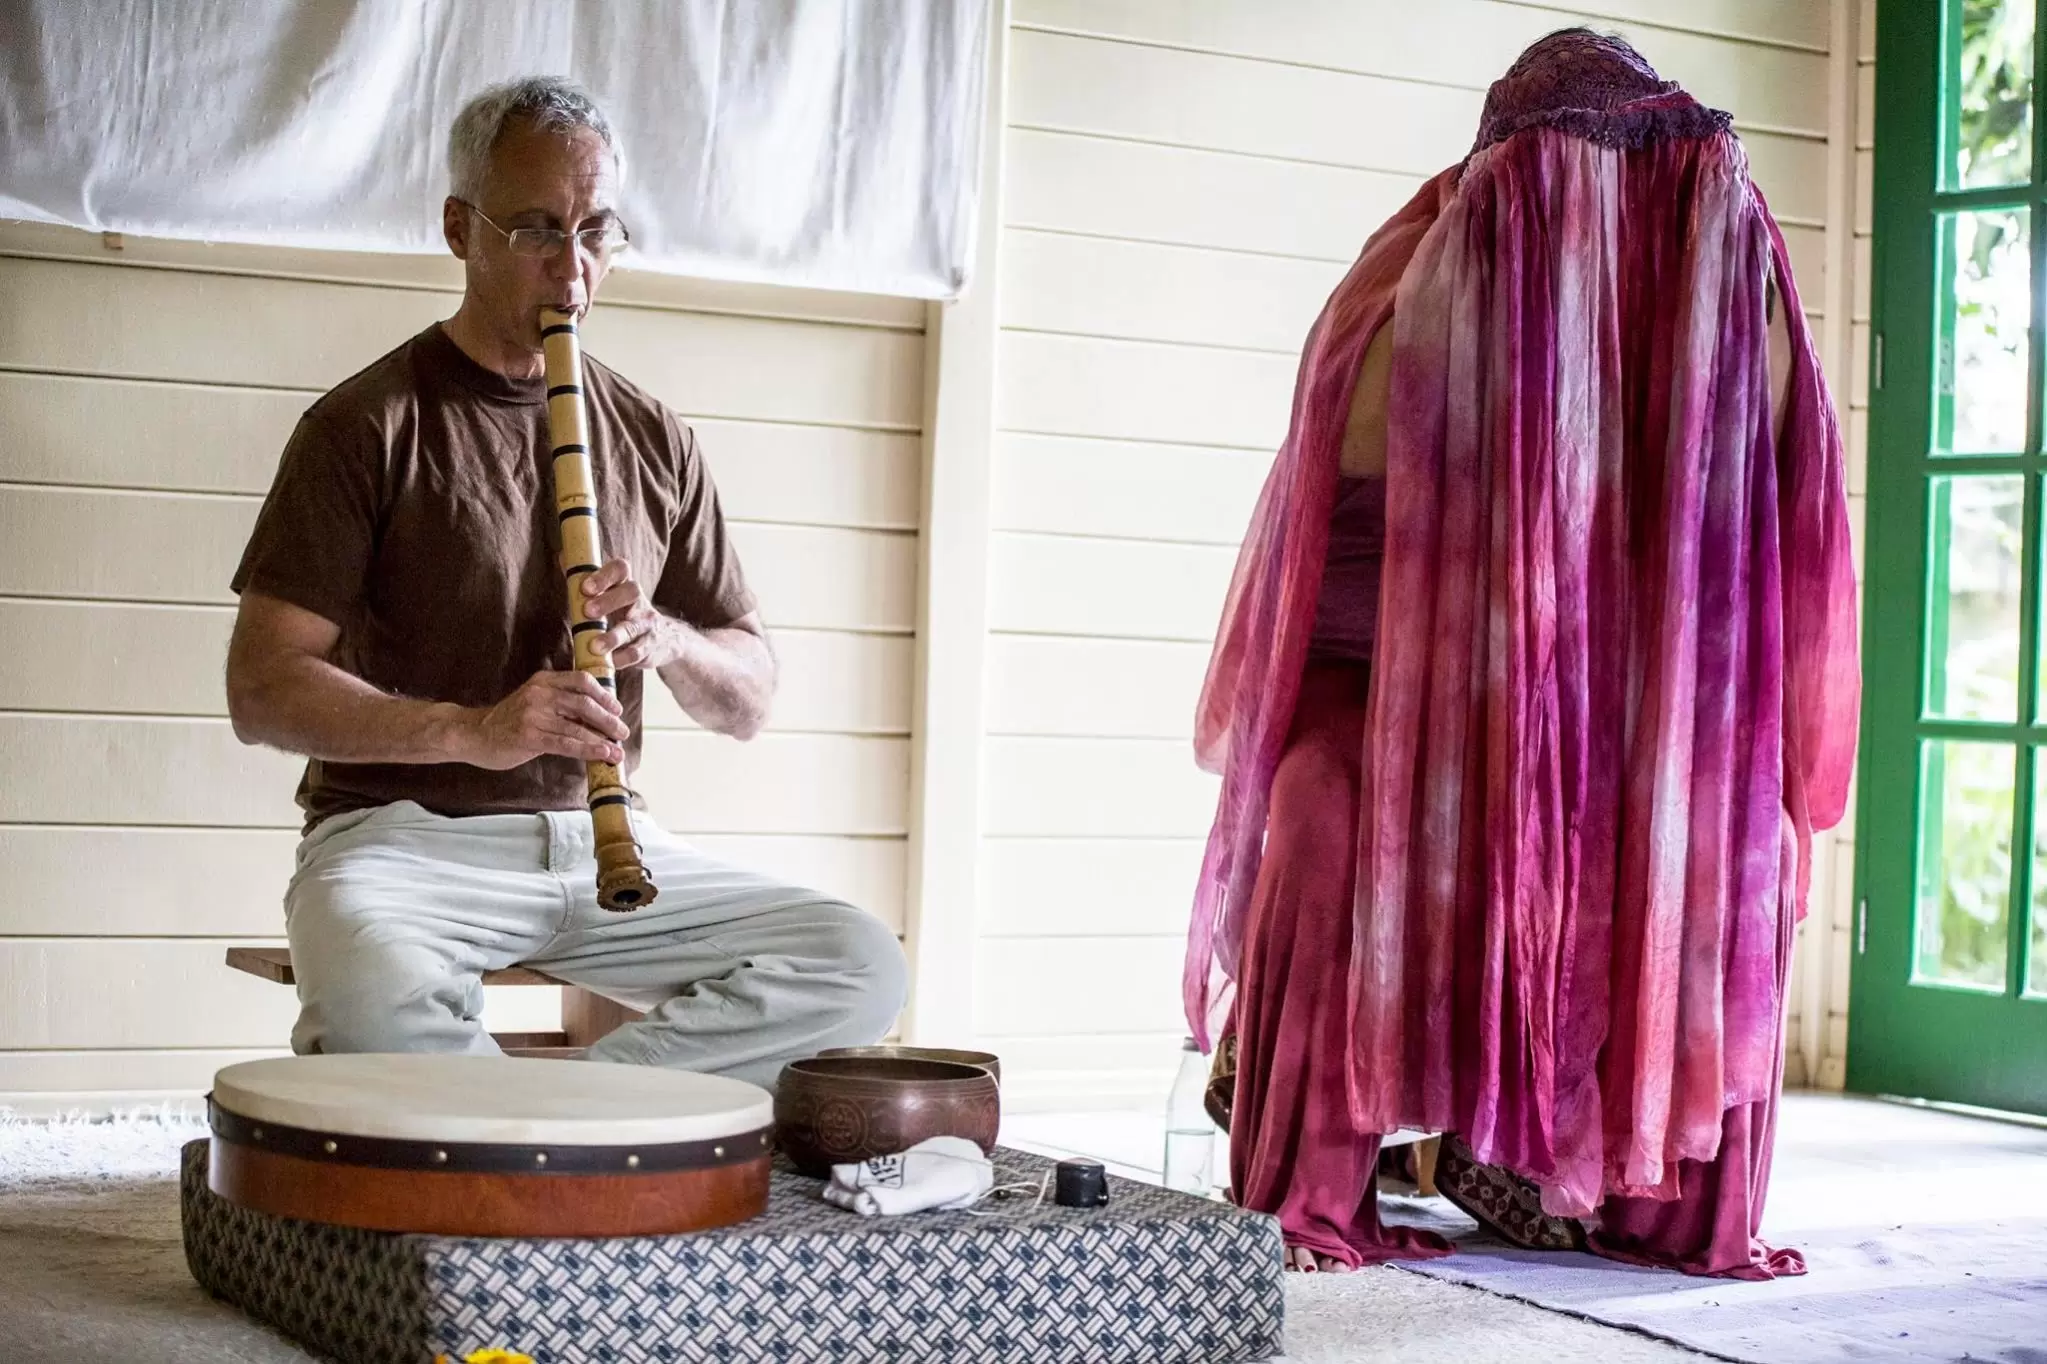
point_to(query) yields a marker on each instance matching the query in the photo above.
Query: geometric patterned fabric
(1156, 1277)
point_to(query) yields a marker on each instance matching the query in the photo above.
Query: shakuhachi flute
(622, 880)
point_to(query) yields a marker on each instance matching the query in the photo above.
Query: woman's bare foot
(1306, 1261)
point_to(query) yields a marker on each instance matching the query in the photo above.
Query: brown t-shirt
(414, 508)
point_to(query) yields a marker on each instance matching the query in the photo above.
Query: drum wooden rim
(477, 1203)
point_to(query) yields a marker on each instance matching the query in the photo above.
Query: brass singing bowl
(832, 1110)
(987, 1060)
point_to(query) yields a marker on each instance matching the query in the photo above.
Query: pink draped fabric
(1617, 679)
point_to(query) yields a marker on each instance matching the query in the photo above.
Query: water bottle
(1190, 1133)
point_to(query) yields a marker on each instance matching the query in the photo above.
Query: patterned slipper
(1502, 1202)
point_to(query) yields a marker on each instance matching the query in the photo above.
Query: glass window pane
(1965, 827)
(2036, 975)
(1986, 310)
(1972, 608)
(2036, 969)
(1990, 93)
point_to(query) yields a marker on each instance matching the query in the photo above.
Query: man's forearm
(308, 706)
(723, 679)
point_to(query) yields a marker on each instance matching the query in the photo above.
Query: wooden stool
(586, 1015)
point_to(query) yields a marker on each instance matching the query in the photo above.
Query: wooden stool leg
(587, 1015)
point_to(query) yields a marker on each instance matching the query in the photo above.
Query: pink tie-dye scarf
(1617, 680)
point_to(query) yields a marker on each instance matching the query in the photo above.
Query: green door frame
(1978, 1046)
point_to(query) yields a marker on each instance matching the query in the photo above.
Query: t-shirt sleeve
(313, 538)
(701, 582)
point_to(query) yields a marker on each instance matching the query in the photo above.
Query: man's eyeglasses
(596, 242)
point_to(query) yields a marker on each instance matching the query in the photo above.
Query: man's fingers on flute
(580, 684)
(584, 712)
(580, 743)
(625, 642)
(609, 590)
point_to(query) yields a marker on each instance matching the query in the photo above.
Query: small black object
(1080, 1184)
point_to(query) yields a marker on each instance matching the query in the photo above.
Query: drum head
(521, 1100)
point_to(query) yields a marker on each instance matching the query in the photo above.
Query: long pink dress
(1612, 693)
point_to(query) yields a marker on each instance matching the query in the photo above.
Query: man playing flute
(402, 625)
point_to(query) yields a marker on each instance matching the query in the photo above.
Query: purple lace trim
(1594, 86)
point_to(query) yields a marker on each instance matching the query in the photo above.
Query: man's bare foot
(1306, 1261)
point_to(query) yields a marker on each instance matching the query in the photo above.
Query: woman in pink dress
(1536, 675)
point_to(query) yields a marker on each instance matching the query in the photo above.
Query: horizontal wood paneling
(1194, 99)
(855, 684)
(1136, 489)
(777, 783)
(66, 542)
(1094, 688)
(1096, 788)
(133, 433)
(1865, 106)
(766, 369)
(80, 770)
(1856, 455)
(870, 873)
(86, 992)
(1139, 291)
(1859, 362)
(1076, 386)
(249, 331)
(1803, 23)
(87, 770)
(114, 882)
(1483, 37)
(140, 433)
(191, 1071)
(1082, 386)
(1043, 584)
(625, 286)
(1178, 196)
(1078, 986)
(818, 475)
(1194, 198)
(1087, 887)
(229, 883)
(1762, 85)
(168, 660)
(92, 543)
(825, 579)
(1384, 122)
(108, 657)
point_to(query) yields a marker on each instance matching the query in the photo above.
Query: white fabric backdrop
(824, 143)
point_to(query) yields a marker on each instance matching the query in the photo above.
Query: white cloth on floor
(938, 1172)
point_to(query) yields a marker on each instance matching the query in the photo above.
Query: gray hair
(551, 104)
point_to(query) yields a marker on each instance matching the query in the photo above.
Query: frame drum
(489, 1145)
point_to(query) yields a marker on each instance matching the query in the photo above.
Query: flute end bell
(624, 889)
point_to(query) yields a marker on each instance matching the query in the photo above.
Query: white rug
(92, 1269)
(141, 1144)
(1925, 1237)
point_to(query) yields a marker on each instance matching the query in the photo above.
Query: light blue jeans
(395, 913)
